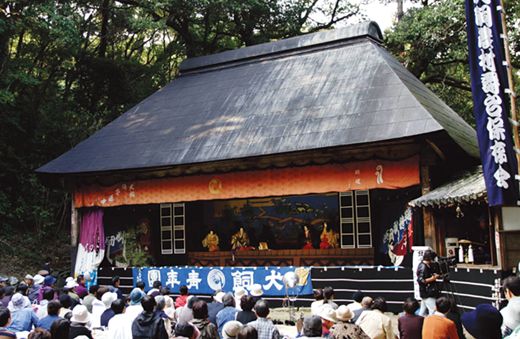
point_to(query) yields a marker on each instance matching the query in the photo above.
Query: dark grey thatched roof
(467, 188)
(320, 90)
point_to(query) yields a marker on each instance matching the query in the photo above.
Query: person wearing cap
(511, 313)
(53, 308)
(484, 322)
(215, 306)
(356, 304)
(256, 292)
(231, 329)
(119, 326)
(23, 317)
(48, 284)
(239, 292)
(228, 313)
(148, 324)
(427, 279)
(28, 280)
(81, 288)
(35, 288)
(78, 322)
(328, 319)
(343, 328)
(108, 298)
(5, 321)
(437, 326)
(375, 323)
(311, 328)
(135, 308)
(265, 327)
(247, 314)
(410, 325)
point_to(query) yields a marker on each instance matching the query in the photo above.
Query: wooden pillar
(430, 234)
(74, 233)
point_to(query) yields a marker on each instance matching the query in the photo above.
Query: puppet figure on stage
(211, 242)
(308, 240)
(240, 241)
(328, 238)
(143, 235)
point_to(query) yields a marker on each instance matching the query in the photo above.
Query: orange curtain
(360, 175)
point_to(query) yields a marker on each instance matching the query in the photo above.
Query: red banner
(360, 175)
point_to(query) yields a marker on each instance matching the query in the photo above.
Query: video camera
(442, 266)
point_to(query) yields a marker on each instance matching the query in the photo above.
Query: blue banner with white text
(207, 280)
(488, 85)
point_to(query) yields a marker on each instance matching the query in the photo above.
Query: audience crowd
(37, 309)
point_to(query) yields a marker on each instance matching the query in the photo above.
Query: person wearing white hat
(231, 329)
(343, 328)
(78, 322)
(256, 292)
(215, 306)
(108, 298)
(70, 287)
(239, 292)
(22, 316)
(35, 288)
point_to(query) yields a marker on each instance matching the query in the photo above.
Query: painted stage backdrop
(207, 280)
(278, 221)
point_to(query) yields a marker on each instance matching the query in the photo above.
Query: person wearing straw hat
(239, 293)
(328, 319)
(78, 322)
(343, 328)
(231, 329)
(256, 292)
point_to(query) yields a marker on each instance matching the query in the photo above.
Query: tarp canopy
(466, 188)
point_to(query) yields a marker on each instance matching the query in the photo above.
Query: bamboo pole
(514, 116)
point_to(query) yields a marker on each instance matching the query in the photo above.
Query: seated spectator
(366, 305)
(22, 316)
(53, 308)
(437, 326)
(247, 332)
(148, 324)
(375, 323)
(356, 304)
(81, 289)
(265, 327)
(344, 328)
(239, 292)
(41, 310)
(454, 315)
(108, 298)
(169, 308)
(34, 289)
(135, 308)
(256, 292)
(184, 330)
(87, 301)
(316, 305)
(48, 284)
(328, 319)
(5, 321)
(116, 281)
(181, 300)
(247, 302)
(119, 326)
(511, 313)
(185, 314)
(39, 333)
(98, 307)
(215, 306)
(311, 328)
(66, 305)
(227, 313)
(60, 329)
(328, 297)
(231, 329)
(140, 285)
(78, 322)
(484, 322)
(207, 329)
(160, 300)
(156, 289)
(410, 325)
(70, 289)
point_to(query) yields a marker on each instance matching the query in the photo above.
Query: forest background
(69, 67)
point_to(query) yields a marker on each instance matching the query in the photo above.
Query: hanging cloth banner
(488, 84)
(91, 247)
(361, 175)
(207, 280)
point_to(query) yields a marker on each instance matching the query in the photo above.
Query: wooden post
(430, 234)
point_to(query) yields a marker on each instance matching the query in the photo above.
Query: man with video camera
(427, 276)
